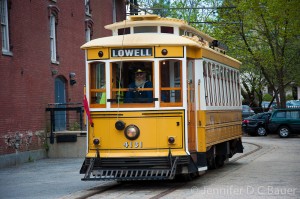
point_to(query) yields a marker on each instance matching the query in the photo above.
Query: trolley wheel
(211, 159)
(284, 132)
(220, 160)
(215, 161)
(211, 163)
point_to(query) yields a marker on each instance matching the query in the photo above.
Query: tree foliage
(263, 34)
(194, 12)
(268, 37)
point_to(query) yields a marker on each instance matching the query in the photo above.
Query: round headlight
(132, 132)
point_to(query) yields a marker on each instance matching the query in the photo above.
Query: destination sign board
(131, 52)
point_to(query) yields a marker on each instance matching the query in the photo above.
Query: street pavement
(262, 174)
(271, 172)
(43, 179)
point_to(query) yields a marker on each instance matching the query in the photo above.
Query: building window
(4, 28)
(87, 7)
(88, 34)
(53, 20)
(88, 29)
(53, 38)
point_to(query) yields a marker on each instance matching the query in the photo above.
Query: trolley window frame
(97, 89)
(172, 91)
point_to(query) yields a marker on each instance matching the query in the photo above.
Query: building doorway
(60, 102)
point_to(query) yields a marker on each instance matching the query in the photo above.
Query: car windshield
(254, 116)
(265, 104)
(259, 116)
(246, 108)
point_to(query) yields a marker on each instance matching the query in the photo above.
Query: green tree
(266, 34)
(263, 34)
(195, 12)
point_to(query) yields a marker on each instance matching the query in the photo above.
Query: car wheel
(261, 131)
(284, 132)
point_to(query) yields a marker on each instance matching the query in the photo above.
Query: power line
(216, 22)
(191, 8)
(135, 8)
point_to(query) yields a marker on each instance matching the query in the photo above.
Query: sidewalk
(43, 179)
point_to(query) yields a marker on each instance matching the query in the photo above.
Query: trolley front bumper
(124, 169)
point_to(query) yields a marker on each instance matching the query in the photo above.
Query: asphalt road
(270, 172)
(43, 179)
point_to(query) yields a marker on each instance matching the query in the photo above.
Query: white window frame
(4, 28)
(53, 38)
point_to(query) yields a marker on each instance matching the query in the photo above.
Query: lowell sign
(131, 52)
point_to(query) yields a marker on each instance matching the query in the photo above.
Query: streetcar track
(163, 193)
(168, 191)
(248, 153)
(94, 191)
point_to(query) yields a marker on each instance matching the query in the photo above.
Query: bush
(289, 97)
(267, 97)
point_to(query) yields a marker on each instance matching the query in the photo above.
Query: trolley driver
(135, 93)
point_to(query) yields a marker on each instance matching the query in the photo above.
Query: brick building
(41, 63)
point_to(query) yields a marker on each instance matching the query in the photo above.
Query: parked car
(293, 104)
(285, 121)
(265, 105)
(256, 124)
(246, 111)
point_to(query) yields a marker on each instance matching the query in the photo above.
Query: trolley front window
(132, 84)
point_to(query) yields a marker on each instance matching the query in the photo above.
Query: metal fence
(65, 117)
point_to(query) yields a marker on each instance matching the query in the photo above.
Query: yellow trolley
(182, 117)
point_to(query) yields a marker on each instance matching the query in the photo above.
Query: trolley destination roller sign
(131, 52)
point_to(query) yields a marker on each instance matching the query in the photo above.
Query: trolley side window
(167, 29)
(97, 84)
(132, 84)
(123, 31)
(170, 83)
(145, 29)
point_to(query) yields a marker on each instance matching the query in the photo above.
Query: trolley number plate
(133, 144)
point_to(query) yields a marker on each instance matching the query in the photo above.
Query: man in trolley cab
(135, 93)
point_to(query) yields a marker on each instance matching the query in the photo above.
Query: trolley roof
(191, 38)
(142, 39)
(155, 20)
